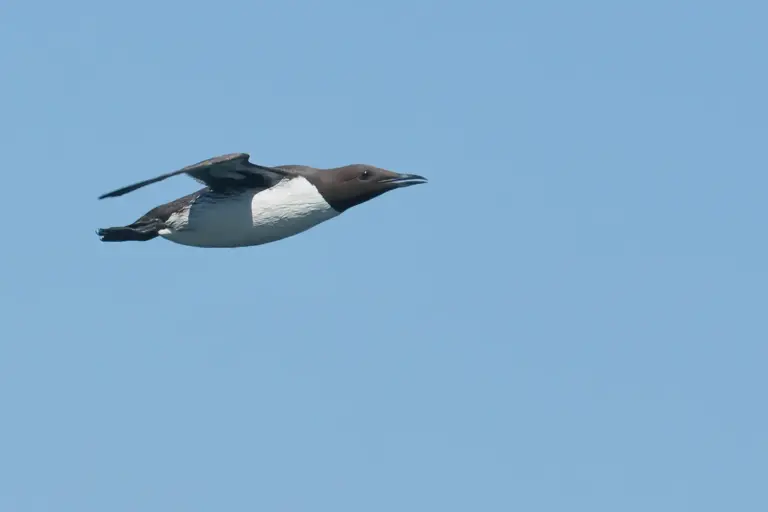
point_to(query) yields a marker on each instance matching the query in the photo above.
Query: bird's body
(249, 217)
(244, 204)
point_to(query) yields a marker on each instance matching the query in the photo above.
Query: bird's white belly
(250, 218)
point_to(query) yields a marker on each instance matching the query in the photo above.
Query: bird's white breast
(250, 218)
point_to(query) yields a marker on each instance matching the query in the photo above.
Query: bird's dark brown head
(348, 186)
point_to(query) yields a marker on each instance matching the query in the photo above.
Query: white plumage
(250, 218)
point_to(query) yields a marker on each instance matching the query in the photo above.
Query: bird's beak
(405, 180)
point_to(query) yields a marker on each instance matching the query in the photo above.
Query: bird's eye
(366, 174)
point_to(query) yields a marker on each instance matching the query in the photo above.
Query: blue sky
(571, 315)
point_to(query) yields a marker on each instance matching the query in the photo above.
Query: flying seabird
(245, 204)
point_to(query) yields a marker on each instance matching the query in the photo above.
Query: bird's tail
(139, 231)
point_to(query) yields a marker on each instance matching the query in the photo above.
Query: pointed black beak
(405, 180)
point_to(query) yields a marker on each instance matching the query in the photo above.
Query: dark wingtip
(118, 192)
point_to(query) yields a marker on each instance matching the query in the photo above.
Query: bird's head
(348, 186)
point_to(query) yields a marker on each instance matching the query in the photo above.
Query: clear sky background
(571, 315)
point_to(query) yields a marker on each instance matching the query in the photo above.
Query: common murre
(245, 204)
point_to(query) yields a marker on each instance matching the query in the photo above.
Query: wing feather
(220, 173)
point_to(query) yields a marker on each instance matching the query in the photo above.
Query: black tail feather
(138, 232)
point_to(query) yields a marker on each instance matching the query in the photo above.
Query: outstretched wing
(220, 173)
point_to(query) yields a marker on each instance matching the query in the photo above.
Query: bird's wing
(220, 173)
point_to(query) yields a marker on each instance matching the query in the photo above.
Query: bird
(246, 204)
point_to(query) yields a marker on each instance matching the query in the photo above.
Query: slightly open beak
(405, 180)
